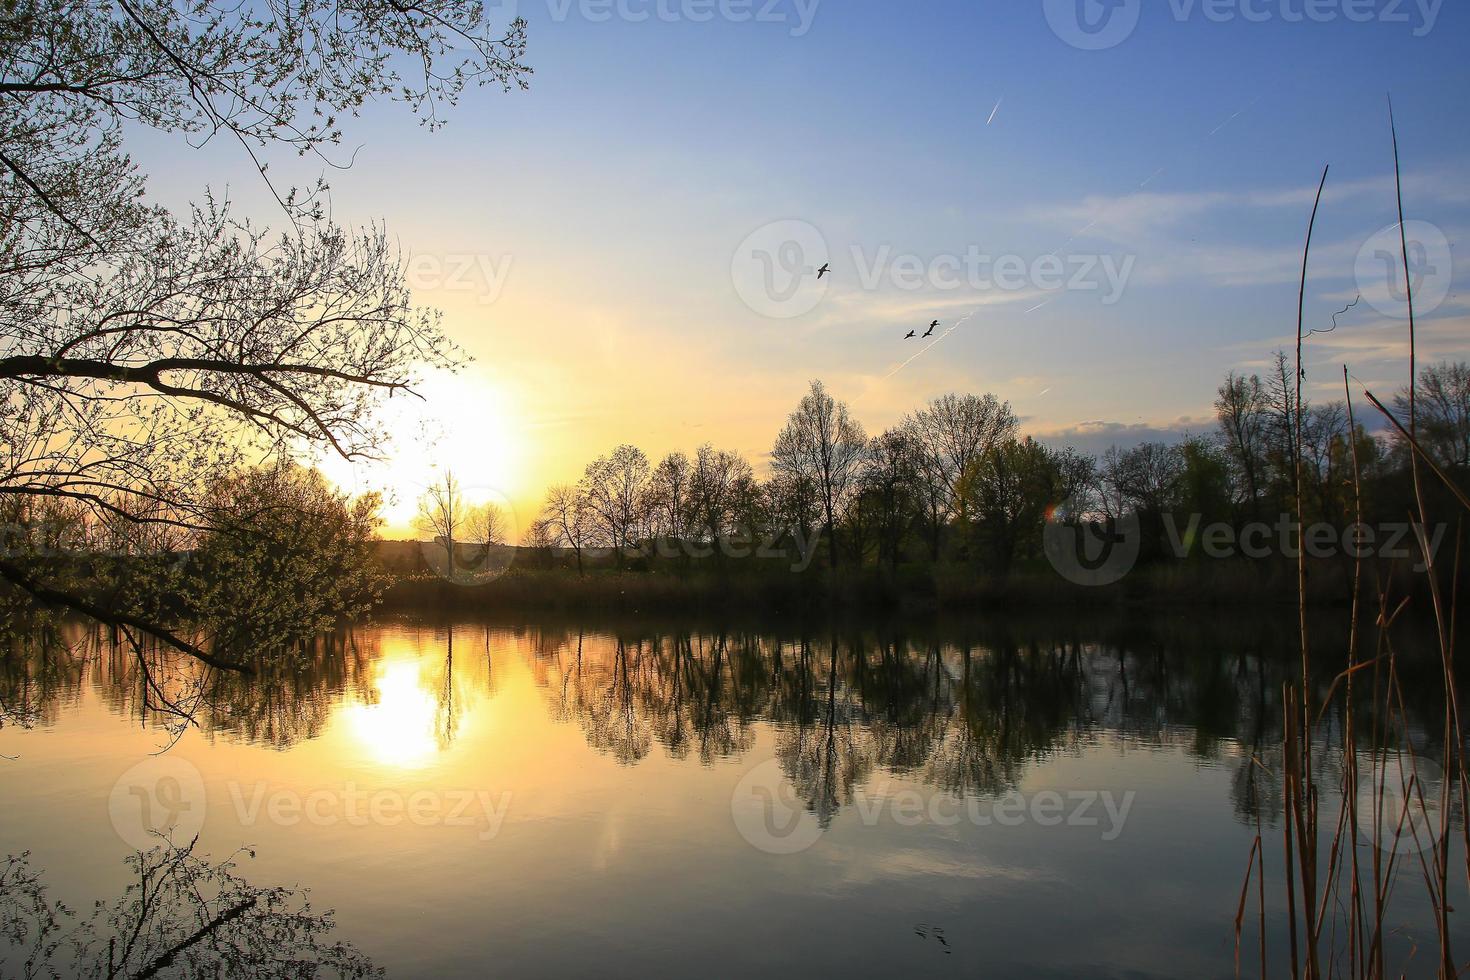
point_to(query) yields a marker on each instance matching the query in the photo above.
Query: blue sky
(621, 184)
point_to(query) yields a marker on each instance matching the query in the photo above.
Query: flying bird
(826, 268)
(932, 327)
(912, 335)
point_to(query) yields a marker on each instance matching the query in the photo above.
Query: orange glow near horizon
(466, 424)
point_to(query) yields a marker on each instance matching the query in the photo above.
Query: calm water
(998, 799)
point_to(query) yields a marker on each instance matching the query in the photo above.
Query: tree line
(957, 480)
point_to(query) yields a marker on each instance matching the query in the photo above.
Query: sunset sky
(595, 221)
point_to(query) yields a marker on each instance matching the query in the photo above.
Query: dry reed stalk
(1388, 725)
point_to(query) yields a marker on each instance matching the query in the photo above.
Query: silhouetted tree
(889, 478)
(444, 515)
(719, 482)
(488, 524)
(148, 354)
(792, 502)
(568, 520)
(1242, 411)
(1327, 461)
(540, 540)
(1203, 485)
(1151, 473)
(1443, 405)
(949, 434)
(1006, 494)
(614, 488)
(668, 496)
(180, 916)
(1282, 429)
(822, 447)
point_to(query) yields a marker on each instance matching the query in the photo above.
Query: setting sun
(465, 424)
(768, 488)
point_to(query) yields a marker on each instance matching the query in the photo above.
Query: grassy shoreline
(949, 588)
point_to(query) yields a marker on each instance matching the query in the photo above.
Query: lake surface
(1005, 798)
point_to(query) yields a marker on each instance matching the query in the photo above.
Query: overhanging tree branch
(23, 580)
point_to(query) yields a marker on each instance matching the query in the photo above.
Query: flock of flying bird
(827, 267)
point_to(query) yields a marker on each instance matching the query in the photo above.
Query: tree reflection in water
(181, 916)
(967, 708)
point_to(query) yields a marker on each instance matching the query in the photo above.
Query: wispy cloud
(1375, 351)
(1097, 436)
(1141, 215)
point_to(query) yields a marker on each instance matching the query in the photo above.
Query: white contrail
(1081, 231)
(922, 351)
(958, 323)
(1075, 235)
(1161, 171)
(1237, 115)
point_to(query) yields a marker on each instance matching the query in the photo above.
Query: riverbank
(927, 588)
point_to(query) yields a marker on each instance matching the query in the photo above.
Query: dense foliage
(148, 357)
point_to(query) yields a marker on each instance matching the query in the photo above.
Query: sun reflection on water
(398, 729)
